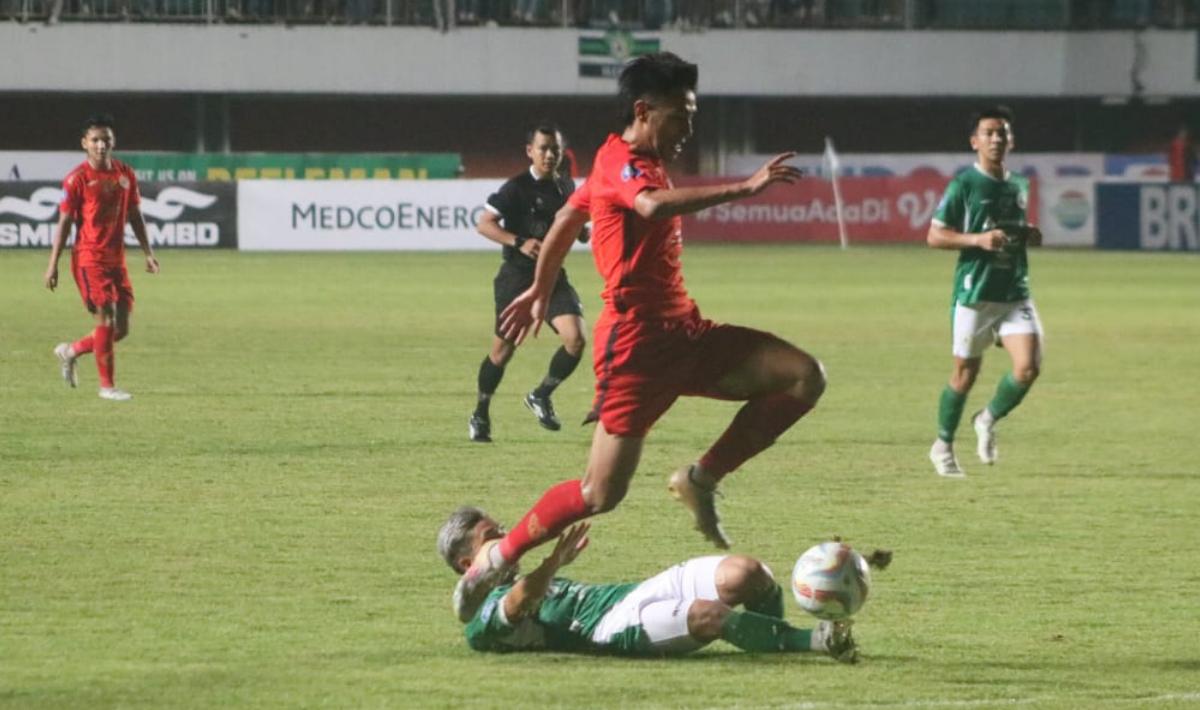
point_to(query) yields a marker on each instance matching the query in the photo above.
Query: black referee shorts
(511, 282)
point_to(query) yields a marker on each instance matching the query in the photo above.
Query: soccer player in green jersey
(982, 215)
(675, 612)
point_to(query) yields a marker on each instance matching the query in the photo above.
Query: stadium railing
(632, 15)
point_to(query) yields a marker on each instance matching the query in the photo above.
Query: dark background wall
(489, 132)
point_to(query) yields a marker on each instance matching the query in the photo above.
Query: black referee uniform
(527, 206)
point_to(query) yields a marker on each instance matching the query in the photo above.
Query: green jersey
(977, 202)
(568, 615)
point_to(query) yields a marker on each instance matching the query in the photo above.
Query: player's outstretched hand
(570, 544)
(772, 172)
(522, 316)
(991, 240)
(51, 278)
(151, 265)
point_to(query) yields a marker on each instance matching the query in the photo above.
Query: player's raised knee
(740, 578)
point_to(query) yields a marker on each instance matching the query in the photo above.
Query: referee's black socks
(561, 366)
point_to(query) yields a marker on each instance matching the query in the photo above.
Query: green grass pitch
(256, 528)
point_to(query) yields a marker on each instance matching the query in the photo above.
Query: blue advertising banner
(1150, 217)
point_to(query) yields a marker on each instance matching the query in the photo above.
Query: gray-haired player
(677, 611)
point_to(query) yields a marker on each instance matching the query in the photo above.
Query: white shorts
(979, 325)
(660, 606)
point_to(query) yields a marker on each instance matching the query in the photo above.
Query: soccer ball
(831, 581)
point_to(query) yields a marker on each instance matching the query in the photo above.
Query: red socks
(102, 345)
(82, 346)
(755, 427)
(561, 505)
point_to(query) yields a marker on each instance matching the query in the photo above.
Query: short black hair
(99, 120)
(998, 111)
(547, 127)
(657, 74)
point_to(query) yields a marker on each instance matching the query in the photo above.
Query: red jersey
(639, 259)
(98, 202)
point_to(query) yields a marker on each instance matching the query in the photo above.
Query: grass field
(255, 529)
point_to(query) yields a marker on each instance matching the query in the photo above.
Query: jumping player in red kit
(100, 196)
(651, 345)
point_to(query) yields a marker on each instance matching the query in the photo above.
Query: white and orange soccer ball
(831, 581)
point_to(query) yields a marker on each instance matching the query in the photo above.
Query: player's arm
(942, 236)
(139, 230)
(669, 202)
(953, 210)
(526, 310)
(526, 595)
(56, 248)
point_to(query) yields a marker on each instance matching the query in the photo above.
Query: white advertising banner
(38, 164)
(376, 215)
(1068, 211)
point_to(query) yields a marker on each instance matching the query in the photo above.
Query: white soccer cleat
(836, 639)
(985, 434)
(66, 361)
(944, 460)
(115, 394)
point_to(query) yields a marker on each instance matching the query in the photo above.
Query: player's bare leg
(612, 462)
(1025, 351)
(570, 330)
(950, 409)
(781, 383)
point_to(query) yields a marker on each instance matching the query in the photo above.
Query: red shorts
(643, 366)
(102, 286)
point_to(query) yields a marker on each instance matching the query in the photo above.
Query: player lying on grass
(676, 611)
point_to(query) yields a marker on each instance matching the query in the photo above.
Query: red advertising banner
(876, 210)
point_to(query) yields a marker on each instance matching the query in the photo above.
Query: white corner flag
(832, 166)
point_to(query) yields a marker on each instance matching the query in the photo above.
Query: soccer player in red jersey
(651, 345)
(100, 196)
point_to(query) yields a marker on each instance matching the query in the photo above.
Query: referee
(517, 217)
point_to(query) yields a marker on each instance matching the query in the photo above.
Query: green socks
(950, 410)
(759, 633)
(1009, 394)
